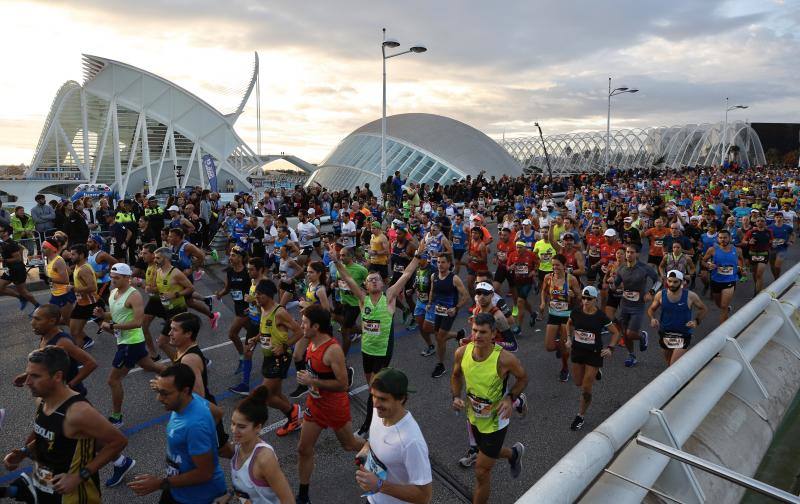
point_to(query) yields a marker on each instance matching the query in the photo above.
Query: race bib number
(422, 296)
(585, 337)
(343, 286)
(173, 468)
(312, 390)
(547, 256)
(559, 305)
(118, 334)
(777, 242)
(673, 340)
(594, 252)
(501, 256)
(441, 310)
(265, 341)
(725, 270)
(43, 479)
(521, 269)
(758, 258)
(399, 268)
(456, 240)
(237, 295)
(371, 327)
(659, 243)
(481, 408)
(631, 295)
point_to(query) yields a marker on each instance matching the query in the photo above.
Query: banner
(211, 171)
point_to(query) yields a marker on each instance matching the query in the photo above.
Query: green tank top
(485, 390)
(376, 327)
(165, 286)
(121, 314)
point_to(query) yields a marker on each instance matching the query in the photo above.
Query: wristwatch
(85, 474)
(111, 325)
(165, 484)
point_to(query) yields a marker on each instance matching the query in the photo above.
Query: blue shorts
(63, 300)
(128, 355)
(524, 290)
(422, 309)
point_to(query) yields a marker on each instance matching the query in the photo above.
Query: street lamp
(178, 176)
(724, 135)
(614, 92)
(391, 44)
(546, 157)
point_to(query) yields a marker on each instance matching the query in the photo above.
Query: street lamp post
(546, 156)
(178, 176)
(614, 92)
(391, 44)
(724, 136)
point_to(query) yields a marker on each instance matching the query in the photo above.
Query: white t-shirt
(307, 233)
(348, 227)
(398, 454)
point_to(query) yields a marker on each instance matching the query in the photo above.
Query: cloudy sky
(499, 66)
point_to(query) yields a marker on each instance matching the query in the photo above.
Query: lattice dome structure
(125, 125)
(662, 147)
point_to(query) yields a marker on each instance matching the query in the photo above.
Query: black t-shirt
(587, 329)
(257, 241)
(239, 285)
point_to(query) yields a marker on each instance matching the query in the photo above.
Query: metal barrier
(608, 465)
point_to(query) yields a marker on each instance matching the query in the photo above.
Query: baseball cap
(484, 286)
(610, 232)
(628, 219)
(568, 236)
(590, 291)
(527, 222)
(173, 208)
(240, 211)
(121, 269)
(376, 224)
(675, 274)
(391, 381)
(311, 211)
(97, 239)
(521, 244)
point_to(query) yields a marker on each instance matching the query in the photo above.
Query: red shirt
(593, 244)
(331, 402)
(503, 251)
(608, 251)
(521, 265)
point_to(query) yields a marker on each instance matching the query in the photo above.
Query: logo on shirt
(367, 310)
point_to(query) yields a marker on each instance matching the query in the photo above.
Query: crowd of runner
(599, 263)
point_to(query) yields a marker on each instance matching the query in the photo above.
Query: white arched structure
(125, 125)
(664, 147)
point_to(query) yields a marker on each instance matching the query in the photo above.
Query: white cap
(675, 274)
(311, 211)
(527, 222)
(628, 219)
(240, 210)
(121, 269)
(485, 286)
(610, 232)
(590, 291)
(173, 208)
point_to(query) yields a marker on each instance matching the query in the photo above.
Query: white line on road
(273, 426)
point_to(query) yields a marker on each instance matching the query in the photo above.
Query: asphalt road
(545, 431)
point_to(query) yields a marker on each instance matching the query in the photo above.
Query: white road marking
(273, 426)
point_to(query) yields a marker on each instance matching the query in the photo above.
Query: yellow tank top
(85, 298)
(373, 245)
(165, 286)
(56, 289)
(271, 335)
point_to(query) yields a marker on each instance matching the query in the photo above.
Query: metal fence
(612, 464)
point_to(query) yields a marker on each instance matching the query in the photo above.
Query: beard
(674, 288)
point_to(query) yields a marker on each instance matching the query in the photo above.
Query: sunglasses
(588, 298)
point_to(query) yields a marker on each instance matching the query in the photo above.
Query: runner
(377, 317)
(544, 251)
(422, 311)
(173, 289)
(760, 240)
(656, 236)
(403, 251)
(61, 293)
(502, 274)
(394, 465)
(153, 307)
(447, 295)
(782, 237)
(328, 403)
(187, 257)
(85, 289)
(193, 474)
(585, 327)
(256, 270)
(460, 239)
(379, 251)
(11, 253)
(521, 264)
(483, 368)
(101, 263)
(560, 290)
(67, 434)
(676, 323)
(124, 321)
(237, 283)
(724, 261)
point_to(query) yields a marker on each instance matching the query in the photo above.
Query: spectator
(24, 230)
(44, 216)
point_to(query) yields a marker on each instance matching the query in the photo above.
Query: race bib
(237, 295)
(371, 327)
(777, 242)
(481, 408)
(521, 269)
(422, 296)
(343, 285)
(585, 337)
(173, 469)
(758, 258)
(559, 305)
(659, 243)
(631, 295)
(312, 390)
(725, 270)
(118, 334)
(441, 310)
(399, 268)
(43, 479)
(254, 311)
(547, 256)
(265, 341)
(594, 252)
(456, 240)
(501, 256)
(673, 340)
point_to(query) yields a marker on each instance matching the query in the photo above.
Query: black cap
(392, 381)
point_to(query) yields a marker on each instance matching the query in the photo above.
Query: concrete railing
(722, 401)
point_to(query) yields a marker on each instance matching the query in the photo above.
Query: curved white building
(125, 126)
(664, 147)
(425, 148)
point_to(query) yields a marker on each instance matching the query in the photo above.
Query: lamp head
(418, 48)
(742, 106)
(633, 90)
(391, 43)
(621, 89)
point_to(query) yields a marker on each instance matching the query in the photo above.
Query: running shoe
(430, 350)
(350, 373)
(198, 275)
(515, 462)
(631, 361)
(120, 472)
(298, 392)
(564, 375)
(215, 320)
(209, 301)
(510, 343)
(643, 341)
(242, 389)
(522, 407)
(300, 500)
(87, 343)
(292, 424)
(438, 371)
(22, 303)
(412, 326)
(469, 458)
(355, 337)
(576, 424)
(406, 314)
(461, 334)
(599, 375)
(116, 421)
(534, 318)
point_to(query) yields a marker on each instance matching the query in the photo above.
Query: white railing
(607, 465)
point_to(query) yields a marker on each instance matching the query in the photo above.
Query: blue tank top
(445, 294)
(101, 270)
(707, 242)
(727, 269)
(180, 259)
(459, 237)
(529, 240)
(674, 316)
(780, 236)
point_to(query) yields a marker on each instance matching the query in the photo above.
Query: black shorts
(540, 275)
(276, 367)
(582, 355)
(651, 259)
(373, 363)
(83, 312)
(128, 355)
(613, 301)
(458, 254)
(489, 444)
(287, 286)
(502, 274)
(168, 317)
(556, 320)
(252, 328)
(443, 322)
(154, 308)
(15, 273)
(348, 313)
(240, 308)
(674, 341)
(718, 287)
(381, 269)
(306, 251)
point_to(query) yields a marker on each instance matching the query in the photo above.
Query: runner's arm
(322, 294)
(182, 281)
(283, 317)
(268, 469)
(457, 378)
(87, 422)
(341, 270)
(397, 288)
(136, 304)
(334, 358)
(509, 364)
(86, 361)
(463, 295)
(105, 257)
(194, 362)
(581, 260)
(698, 304)
(196, 254)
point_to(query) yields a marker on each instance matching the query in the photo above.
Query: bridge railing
(608, 465)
